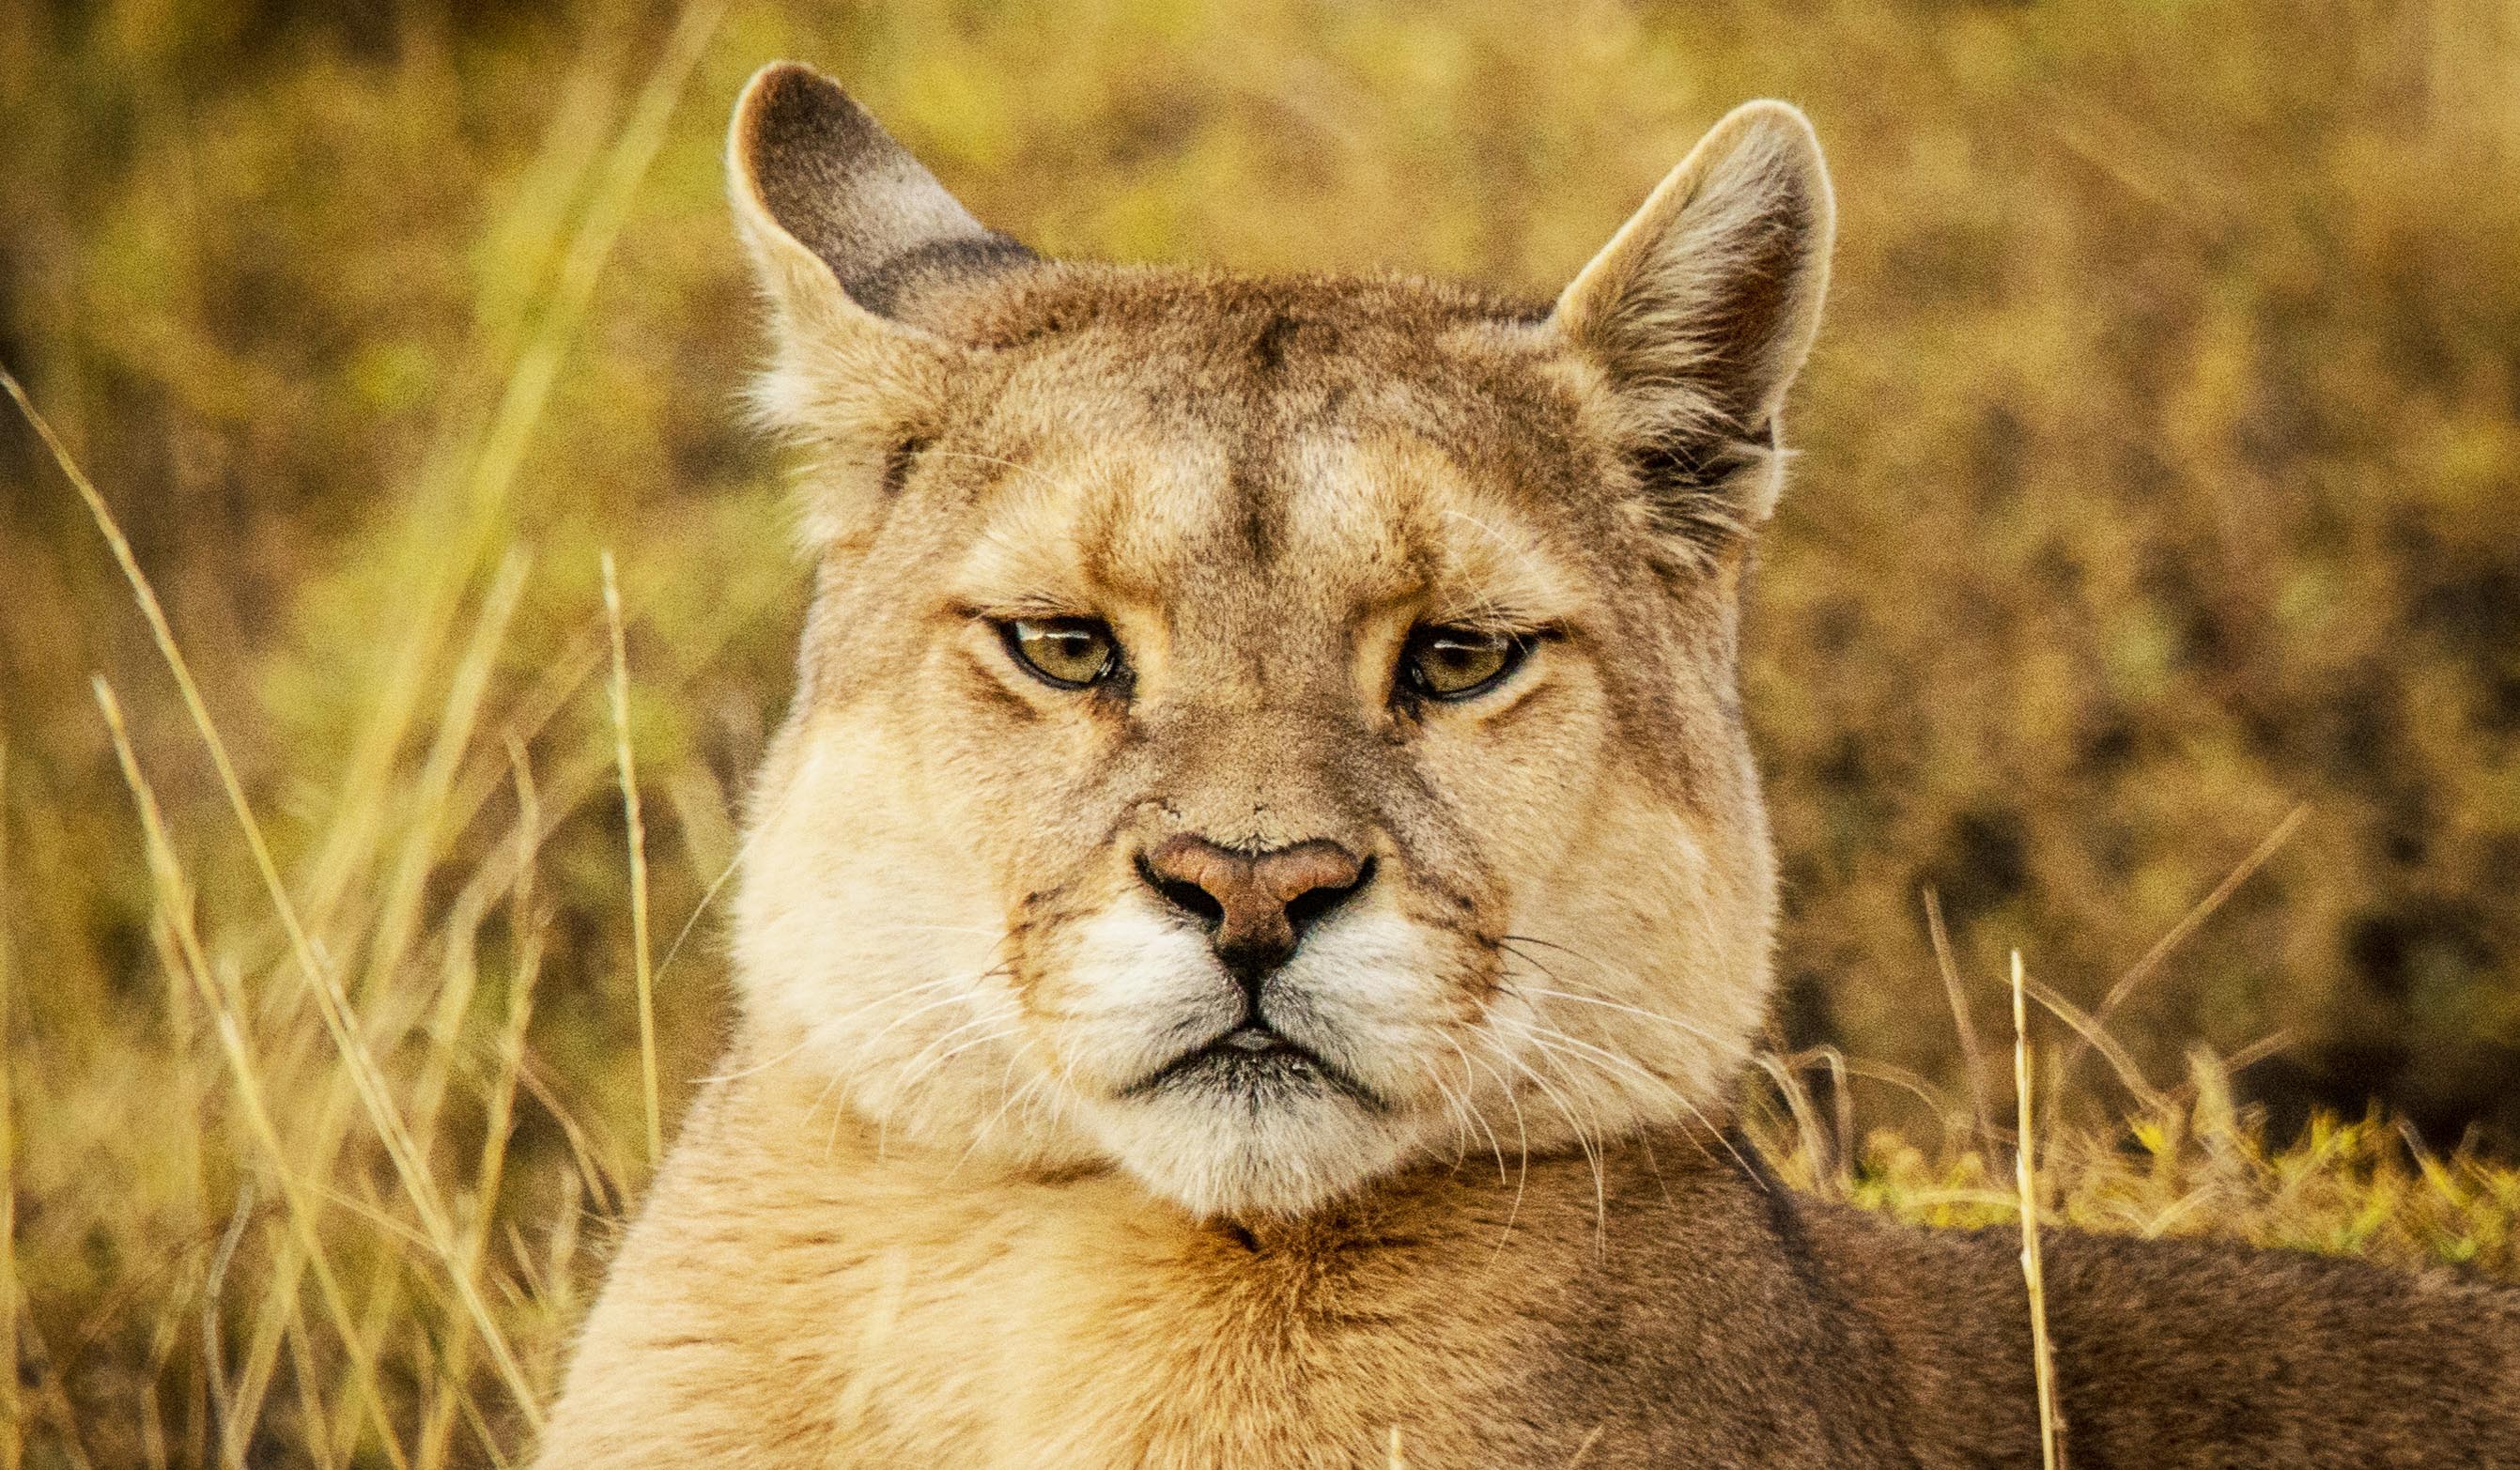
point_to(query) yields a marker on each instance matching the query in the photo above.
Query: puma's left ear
(1702, 309)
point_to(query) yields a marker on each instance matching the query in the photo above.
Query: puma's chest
(1089, 1342)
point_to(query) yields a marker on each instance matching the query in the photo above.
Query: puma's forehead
(1145, 432)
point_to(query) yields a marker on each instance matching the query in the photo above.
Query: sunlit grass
(335, 1049)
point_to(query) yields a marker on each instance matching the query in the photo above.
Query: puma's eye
(1071, 652)
(1455, 663)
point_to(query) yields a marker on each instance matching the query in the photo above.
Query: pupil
(1071, 647)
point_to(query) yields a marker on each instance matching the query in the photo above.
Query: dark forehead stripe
(1258, 488)
(1258, 495)
(1269, 346)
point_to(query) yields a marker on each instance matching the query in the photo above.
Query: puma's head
(1256, 733)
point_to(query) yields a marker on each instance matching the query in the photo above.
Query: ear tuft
(1702, 309)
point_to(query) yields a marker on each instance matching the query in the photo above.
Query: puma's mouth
(1255, 1061)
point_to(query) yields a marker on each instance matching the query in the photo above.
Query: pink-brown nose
(1256, 906)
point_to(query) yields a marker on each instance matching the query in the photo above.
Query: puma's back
(1252, 927)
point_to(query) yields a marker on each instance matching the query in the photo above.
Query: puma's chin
(1227, 1138)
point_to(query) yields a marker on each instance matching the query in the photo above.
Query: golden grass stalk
(629, 771)
(2051, 1449)
(176, 901)
(410, 1168)
(1973, 1071)
(398, 923)
(501, 453)
(2178, 933)
(398, 920)
(450, 1399)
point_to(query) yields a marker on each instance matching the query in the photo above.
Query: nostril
(1306, 908)
(1181, 894)
(1255, 906)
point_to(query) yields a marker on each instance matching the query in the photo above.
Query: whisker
(1552, 1041)
(892, 996)
(867, 1046)
(1583, 1141)
(763, 1065)
(734, 861)
(1692, 1028)
(1664, 1083)
(921, 1070)
(902, 1096)
(1523, 1177)
(1469, 1092)
(1460, 1121)
(981, 1136)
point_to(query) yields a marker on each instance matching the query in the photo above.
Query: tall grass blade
(330, 1003)
(638, 830)
(11, 1417)
(2051, 1427)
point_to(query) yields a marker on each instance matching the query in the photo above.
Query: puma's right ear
(845, 229)
(837, 214)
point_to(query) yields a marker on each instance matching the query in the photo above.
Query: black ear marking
(1699, 485)
(829, 176)
(883, 290)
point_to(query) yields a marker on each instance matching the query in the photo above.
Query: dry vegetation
(2159, 482)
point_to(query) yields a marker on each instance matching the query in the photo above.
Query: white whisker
(1583, 1141)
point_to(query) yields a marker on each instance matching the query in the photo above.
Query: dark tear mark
(899, 460)
(1539, 701)
(989, 689)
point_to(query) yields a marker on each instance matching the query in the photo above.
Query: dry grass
(2025, 1149)
(383, 1125)
(335, 1050)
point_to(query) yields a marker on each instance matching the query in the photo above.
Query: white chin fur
(1215, 1153)
(1144, 990)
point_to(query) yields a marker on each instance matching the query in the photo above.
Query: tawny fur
(953, 1202)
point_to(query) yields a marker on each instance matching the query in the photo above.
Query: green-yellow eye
(1456, 663)
(1070, 652)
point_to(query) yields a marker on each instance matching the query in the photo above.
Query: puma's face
(1257, 732)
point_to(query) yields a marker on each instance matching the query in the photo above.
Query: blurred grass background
(2158, 485)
